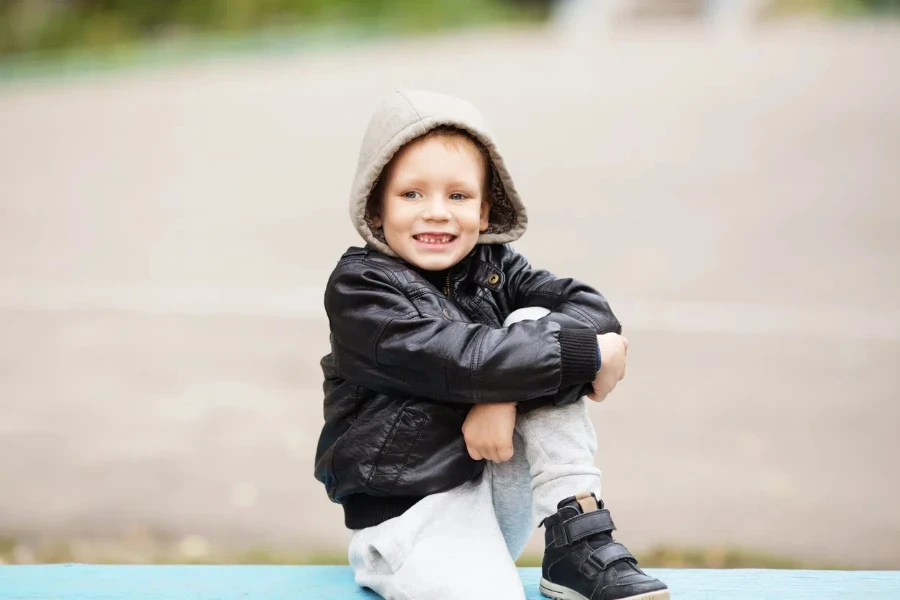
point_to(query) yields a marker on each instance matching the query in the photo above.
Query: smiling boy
(455, 418)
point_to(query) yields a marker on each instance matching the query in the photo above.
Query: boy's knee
(529, 313)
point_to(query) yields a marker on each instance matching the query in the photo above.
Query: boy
(454, 411)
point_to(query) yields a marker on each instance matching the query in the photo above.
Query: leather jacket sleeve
(382, 342)
(571, 304)
(561, 296)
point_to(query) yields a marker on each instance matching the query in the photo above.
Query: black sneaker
(583, 562)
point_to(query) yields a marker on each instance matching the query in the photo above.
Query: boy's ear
(376, 220)
(485, 215)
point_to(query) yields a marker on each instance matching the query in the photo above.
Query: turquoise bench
(93, 582)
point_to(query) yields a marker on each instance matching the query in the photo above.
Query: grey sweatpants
(461, 544)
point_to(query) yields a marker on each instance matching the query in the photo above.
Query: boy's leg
(511, 493)
(580, 555)
(555, 461)
(448, 546)
(559, 443)
(581, 559)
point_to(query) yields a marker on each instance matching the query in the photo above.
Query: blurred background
(173, 195)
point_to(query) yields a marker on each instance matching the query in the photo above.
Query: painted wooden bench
(185, 582)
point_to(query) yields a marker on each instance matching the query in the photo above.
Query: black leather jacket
(409, 358)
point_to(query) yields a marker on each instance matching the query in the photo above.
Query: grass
(711, 558)
(122, 552)
(838, 8)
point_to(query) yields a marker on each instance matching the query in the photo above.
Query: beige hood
(408, 114)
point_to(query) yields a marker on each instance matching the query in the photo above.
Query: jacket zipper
(447, 290)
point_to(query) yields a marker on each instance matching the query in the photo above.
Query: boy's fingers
(474, 453)
(625, 341)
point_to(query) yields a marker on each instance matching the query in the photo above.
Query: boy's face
(433, 207)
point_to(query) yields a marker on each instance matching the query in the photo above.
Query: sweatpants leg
(553, 458)
(511, 494)
(446, 547)
(559, 442)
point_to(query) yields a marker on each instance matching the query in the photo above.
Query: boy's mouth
(434, 238)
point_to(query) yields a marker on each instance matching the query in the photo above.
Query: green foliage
(713, 558)
(63, 551)
(839, 7)
(54, 26)
(55, 552)
(7, 548)
(57, 27)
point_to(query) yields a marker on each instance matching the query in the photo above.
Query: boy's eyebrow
(418, 181)
(404, 181)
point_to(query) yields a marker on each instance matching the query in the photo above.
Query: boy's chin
(430, 260)
(433, 263)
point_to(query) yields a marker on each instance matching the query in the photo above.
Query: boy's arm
(382, 342)
(571, 304)
(579, 303)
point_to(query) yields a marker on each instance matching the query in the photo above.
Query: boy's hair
(450, 134)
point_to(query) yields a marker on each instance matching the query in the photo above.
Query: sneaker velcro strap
(610, 553)
(582, 526)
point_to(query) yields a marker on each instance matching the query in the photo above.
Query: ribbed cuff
(361, 510)
(580, 356)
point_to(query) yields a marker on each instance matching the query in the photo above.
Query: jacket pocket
(394, 454)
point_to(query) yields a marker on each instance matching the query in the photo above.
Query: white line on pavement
(306, 302)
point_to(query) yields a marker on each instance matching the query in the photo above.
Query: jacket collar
(474, 267)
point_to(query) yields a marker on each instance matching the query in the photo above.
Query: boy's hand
(488, 431)
(613, 353)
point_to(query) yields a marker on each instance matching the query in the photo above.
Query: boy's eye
(411, 195)
(457, 196)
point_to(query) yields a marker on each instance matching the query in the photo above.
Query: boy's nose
(437, 210)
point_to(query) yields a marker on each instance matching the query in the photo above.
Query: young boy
(454, 412)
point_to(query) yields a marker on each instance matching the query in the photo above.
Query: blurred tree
(53, 26)
(59, 25)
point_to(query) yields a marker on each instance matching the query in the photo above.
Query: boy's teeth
(434, 239)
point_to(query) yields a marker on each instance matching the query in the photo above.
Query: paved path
(165, 236)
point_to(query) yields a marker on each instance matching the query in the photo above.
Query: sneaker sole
(552, 590)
